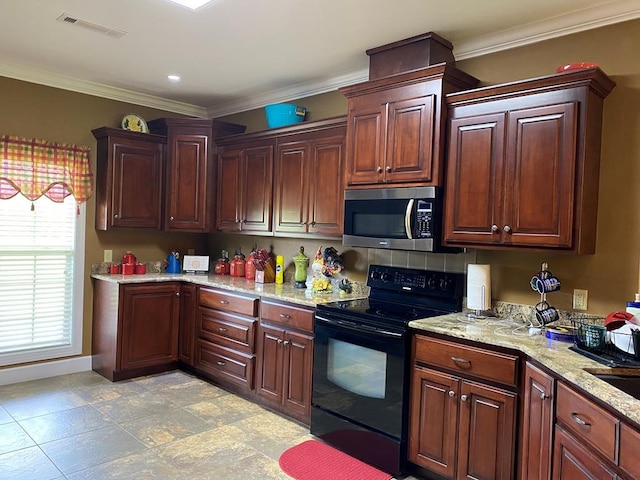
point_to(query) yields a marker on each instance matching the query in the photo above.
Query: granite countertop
(284, 292)
(555, 355)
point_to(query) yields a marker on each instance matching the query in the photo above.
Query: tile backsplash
(443, 262)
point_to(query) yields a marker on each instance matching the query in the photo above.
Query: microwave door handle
(407, 219)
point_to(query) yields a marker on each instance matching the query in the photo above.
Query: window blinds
(37, 250)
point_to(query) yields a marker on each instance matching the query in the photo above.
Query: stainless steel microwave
(401, 218)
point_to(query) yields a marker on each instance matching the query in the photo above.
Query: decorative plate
(134, 123)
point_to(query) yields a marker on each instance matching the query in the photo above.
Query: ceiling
(236, 55)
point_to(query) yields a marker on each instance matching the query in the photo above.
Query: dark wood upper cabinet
(129, 177)
(396, 127)
(190, 173)
(523, 163)
(286, 181)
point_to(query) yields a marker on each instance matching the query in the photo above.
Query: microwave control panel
(424, 219)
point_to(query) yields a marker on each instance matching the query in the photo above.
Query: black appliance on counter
(361, 363)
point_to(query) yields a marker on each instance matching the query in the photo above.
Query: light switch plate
(108, 256)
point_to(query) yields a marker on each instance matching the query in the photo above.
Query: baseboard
(37, 371)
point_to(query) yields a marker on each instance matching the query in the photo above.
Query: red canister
(238, 265)
(249, 267)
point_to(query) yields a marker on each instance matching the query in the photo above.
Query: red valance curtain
(36, 167)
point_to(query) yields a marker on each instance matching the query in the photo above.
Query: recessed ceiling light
(173, 78)
(192, 4)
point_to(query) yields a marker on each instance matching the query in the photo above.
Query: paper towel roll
(479, 287)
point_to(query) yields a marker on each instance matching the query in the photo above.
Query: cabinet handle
(507, 228)
(284, 315)
(388, 169)
(463, 398)
(222, 329)
(494, 228)
(221, 363)
(224, 302)
(379, 169)
(452, 393)
(579, 421)
(461, 360)
(171, 218)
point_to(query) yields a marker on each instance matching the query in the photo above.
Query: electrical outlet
(580, 299)
(108, 256)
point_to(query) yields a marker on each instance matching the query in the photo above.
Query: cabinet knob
(177, 294)
(286, 343)
(171, 218)
(279, 341)
(388, 169)
(507, 228)
(238, 220)
(494, 228)
(463, 398)
(543, 396)
(452, 393)
(222, 329)
(116, 216)
(313, 224)
(379, 169)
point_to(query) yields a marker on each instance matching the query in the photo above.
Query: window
(41, 279)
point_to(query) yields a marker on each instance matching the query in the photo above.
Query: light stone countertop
(554, 355)
(284, 292)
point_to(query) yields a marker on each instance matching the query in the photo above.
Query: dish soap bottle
(279, 268)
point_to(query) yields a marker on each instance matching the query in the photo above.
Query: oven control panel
(426, 282)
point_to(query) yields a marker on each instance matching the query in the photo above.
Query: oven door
(359, 373)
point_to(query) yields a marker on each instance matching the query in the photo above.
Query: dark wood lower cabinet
(454, 418)
(186, 332)
(537, 424)
(572, 461)
(285, 356)
(135, 328)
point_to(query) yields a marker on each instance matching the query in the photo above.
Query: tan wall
(611, 275)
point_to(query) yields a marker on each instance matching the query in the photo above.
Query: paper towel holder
(478, 281)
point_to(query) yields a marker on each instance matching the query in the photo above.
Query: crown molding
(289, 93)
(574, 22)
(49, 79)
(534, 32)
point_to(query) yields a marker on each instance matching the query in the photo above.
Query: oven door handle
(357, 327)
(407, 219)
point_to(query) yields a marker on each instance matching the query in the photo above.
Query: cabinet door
(486, 432)
(257, 186)
(186, 331)
(150, 315)
(540, 176)
(367, 125)
(410, 130)
(270, 363)
(298, 359)
(572, 461)
(537, 428)
(229, 199)
(187, 182)
(474, 188)
(326, 192)
(433, 420)
(136, 185)
(291, 187)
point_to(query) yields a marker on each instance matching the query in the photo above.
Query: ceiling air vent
(110, 32)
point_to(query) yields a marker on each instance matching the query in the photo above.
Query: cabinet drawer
(225, 364)
(230, 302)
(467, 360)
(226, 329)
(287, 315)
(629, 450)
(587, 421)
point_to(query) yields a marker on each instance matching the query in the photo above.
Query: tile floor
(168, 426)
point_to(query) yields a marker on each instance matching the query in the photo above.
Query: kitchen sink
(628, 384)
